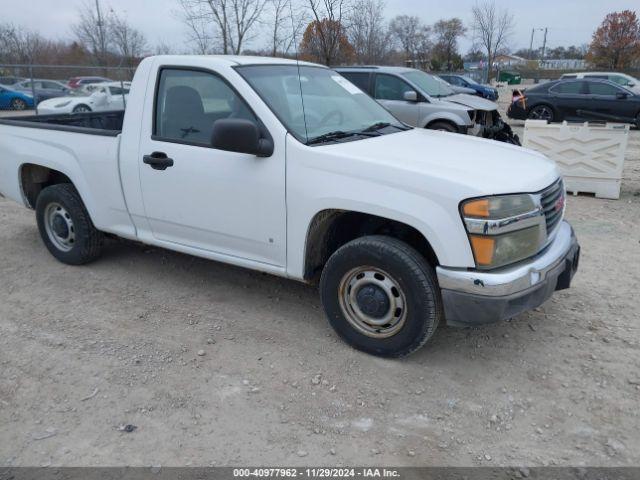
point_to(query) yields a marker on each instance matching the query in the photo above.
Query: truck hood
(440, 161)
(472, 101)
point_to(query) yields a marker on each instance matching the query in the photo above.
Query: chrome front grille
(552, 201)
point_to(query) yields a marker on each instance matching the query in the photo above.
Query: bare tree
(285, 22)
(367, 32)
(92, 31)
(129, 42)
(405, 30)
(20, 45)
(414, 38)
(229, 21)
(196, 17)
(491, 29)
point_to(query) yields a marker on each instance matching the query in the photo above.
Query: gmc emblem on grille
(559, 205)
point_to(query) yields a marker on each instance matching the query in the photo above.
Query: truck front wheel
(381, 296)
(65, 226)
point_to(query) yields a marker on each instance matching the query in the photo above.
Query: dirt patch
(215, 365)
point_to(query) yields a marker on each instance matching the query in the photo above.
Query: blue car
(14, 100)
(485, 91)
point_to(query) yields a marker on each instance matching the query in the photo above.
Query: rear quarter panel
(90, 161)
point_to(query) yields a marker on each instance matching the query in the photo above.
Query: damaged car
(424, 101)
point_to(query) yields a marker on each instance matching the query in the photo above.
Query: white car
(620, 78)
(289, 169)
(98, 97)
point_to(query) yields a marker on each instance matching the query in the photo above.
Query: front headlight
(503, 229)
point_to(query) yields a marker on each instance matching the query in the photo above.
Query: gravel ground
(215, 365)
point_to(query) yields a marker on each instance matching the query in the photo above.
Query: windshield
(429, 84)
(318, 102)
(470, 80)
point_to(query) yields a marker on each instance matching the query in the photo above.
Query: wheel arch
(330, 229)
(35, 178)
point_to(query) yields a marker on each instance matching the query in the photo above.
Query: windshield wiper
(339, 135)
(376, 126)
(329, 136)
(380, 125)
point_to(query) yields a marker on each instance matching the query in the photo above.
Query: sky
(570, 22)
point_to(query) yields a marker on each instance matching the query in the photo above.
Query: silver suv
(424, 101)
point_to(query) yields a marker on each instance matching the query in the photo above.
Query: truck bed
(92, 123)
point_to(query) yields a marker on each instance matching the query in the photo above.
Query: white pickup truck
(290, 169)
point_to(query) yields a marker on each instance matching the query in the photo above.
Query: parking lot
(215, 365)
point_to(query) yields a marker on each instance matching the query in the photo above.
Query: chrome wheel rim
(372, 302)
(541, 113)
(19, 104)
(59, 227)
(81, 109)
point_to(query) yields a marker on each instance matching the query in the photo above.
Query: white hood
(469, 166)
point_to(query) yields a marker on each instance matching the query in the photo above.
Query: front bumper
(516, 112)
(475, 297)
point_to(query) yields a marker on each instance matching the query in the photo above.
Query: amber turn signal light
(476, 208)
(483, 248)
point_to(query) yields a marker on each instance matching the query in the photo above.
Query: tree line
(331, 32)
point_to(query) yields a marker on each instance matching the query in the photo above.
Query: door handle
(158, 161)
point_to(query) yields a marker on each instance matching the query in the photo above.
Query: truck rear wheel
(381, 296)
(65, 226)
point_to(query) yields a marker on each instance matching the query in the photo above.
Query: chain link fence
(24, 88)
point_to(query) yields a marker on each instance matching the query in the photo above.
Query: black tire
(86, 244)
(417, 285)
(542, 112)
(443, 127)
(82, 108)
(18, 104)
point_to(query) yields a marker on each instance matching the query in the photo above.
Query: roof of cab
(234, 60)
(374, 68)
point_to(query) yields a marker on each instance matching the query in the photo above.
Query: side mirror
(621, 95)
(240, 136)
(411, 96)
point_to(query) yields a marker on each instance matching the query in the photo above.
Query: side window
(188, 102)
(569, 88)
(389, 87)
(598, 88)
(360, 80)
(620, 80)
(118, 91)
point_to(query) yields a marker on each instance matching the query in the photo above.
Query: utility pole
(544, 44)
(533, 31)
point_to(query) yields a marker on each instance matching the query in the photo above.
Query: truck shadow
(300, 307)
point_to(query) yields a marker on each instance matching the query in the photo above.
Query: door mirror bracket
(240, 136)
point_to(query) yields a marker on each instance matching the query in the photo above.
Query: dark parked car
(77, 82)
(45, 89)
(484, 91)
(576, 100)
(8, 81)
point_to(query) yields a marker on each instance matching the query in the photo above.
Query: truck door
(389, 92)
(196, 196)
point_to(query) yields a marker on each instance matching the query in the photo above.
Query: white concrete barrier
(590, 156)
